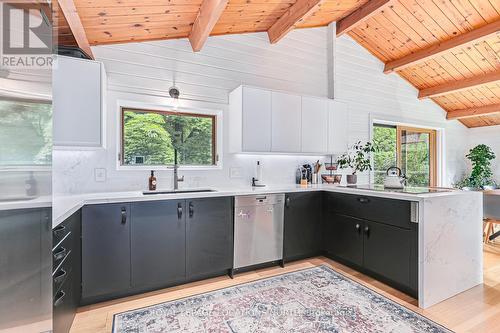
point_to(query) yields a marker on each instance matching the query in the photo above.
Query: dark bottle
(152, 181)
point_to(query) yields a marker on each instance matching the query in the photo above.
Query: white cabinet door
(77, 102)
(286, 119)
(338, 127)
(314, 125)
(256, 120)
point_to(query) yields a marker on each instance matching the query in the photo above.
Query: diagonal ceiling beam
(440, 48)
(455, 86)
(208, 15)
(473, 112)
(363, 13)
(298, 12)
(75, 24)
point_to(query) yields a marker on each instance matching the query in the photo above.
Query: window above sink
(149, 135)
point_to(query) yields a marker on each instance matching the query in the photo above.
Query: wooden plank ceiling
(448, 49)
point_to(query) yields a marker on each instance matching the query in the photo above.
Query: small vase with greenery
(481, 174)
(357, 158)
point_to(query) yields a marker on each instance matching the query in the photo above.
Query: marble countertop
(30, 202)
(65, 206)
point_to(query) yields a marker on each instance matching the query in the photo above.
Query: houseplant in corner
(357, 158)
(481, 174)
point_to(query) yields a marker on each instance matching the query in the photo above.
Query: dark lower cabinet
(131, 248)
(209, 234)
(388, 252)
(25, 267)
(385, 247)
(302, 225)
(66, 274)
(344, 238)
(158, 240)
(105, 251)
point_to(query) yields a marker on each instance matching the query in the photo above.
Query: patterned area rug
(311, 300)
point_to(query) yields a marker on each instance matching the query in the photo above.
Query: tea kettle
(394, 178)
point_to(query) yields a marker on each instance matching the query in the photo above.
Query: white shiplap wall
(295, 64)
(298, 63)
(489, 136)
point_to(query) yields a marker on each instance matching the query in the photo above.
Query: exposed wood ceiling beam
(208, 15)
(298, 12)
(71, 14)
(440, 48)
(371, 8)
(455, 86)
(473, 112)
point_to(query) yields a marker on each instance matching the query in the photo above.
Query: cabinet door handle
(60, 276)
(367, 231)
(124, 215)
(179, 210)
(358, 227)
(59, 298)
(287, 202)
(60, 253)
(59, 229)
(364, 200)
(191, 209)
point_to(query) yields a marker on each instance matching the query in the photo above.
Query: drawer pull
(60, 253)
(60, 276)
(59, 298)
(59, 229)
(179, 211)
(364, 200)
(191, 209)
(124, 215)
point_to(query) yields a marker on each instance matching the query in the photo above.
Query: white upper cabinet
(78, 102)
(286, 123)
(264, 121)
(314, 125)
(249, 120)
(338, 127)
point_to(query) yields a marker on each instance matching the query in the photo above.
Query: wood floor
(476, 310)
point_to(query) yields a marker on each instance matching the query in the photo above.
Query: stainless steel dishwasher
(258, 229)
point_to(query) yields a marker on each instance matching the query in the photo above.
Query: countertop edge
(65, 206)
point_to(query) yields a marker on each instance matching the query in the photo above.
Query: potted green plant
(357, 158)
(481, 175)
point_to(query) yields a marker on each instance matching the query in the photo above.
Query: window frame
(217, 131)
(440, 140)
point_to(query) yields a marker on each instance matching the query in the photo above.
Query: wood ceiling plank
(449, 8)
(71, 14)
(363, 40)
(439, 17)
(468, 62)
(470, 14)
(209, 14)
(485, 9)
(331, 11)
(473, 112)
(443, 47)
(361, 14)
(459, 85)
(297, 13)
(425, 18)
(376, 39)
(397, 34)
(488, 54)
